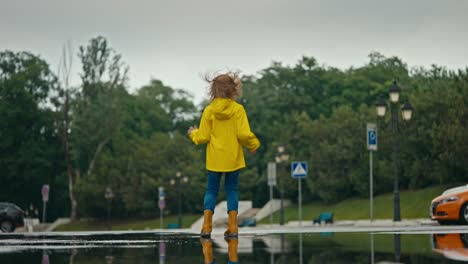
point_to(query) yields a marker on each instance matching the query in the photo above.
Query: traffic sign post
(161, 205)
(45, 198)
(371, 146)
(109, 195)
(271, 183)
(271, 174)
(299, 171)
(45, 258)
(372, 137)
(162, 252)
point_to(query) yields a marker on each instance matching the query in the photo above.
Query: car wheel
(7, 226)
(464, 214)
(464, 239)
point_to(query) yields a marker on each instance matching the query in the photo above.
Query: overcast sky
(178, 41)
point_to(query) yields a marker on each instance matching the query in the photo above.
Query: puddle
(286, 248)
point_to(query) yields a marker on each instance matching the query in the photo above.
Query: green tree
(97, 112)
(29, 145)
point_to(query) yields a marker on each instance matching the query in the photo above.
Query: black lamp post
(109, 195)
(407, 110)
(177, 181)
(281, 157)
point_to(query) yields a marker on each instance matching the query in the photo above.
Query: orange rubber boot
(207, 223)
(207, 246)
(233, 243)
(232, 230)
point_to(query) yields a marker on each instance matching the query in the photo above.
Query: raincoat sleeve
(246, 137)
(202, 134)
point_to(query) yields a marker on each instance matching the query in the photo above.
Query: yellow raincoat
(225, 128)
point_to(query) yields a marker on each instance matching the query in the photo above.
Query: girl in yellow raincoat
(225, 129)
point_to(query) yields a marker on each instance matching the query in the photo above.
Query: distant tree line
(82, 139)
(320, 113)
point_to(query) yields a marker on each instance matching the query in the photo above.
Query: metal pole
(397, 248)
(371, 184)
(180, 208)
(108, 214)
(160, 218)
(44, 209)
(271, 204)
(272, 255)
(372, 248)
(300, 247)
(282, 248)
(282, 203)
(396, 192)
(300, 202)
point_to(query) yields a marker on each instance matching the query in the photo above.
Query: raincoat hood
(223, 108)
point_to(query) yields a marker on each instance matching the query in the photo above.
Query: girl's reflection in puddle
(207, 246)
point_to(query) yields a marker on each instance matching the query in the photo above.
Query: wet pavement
(327, 245)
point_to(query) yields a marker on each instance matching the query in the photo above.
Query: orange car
(452, 246)
(451, 206)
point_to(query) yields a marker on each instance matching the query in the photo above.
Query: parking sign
(371, 137)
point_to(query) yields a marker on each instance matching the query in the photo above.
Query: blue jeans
(231, 183)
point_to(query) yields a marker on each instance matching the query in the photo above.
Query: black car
(11, 217)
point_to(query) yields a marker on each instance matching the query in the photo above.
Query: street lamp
(394, 92)
(109, 195)
(407, 111)
(281, 157)
(177, 181)
(381, 107)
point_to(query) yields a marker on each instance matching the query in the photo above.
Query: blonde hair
(226, 85)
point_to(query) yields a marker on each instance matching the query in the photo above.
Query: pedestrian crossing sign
(299, 169)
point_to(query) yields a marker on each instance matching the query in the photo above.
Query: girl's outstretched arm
(201, 135)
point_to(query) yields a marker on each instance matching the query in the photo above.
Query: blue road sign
(299, 169)
(371, 137)
(162, 194)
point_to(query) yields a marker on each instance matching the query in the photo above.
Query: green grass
(128, 224)
(414, 204)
